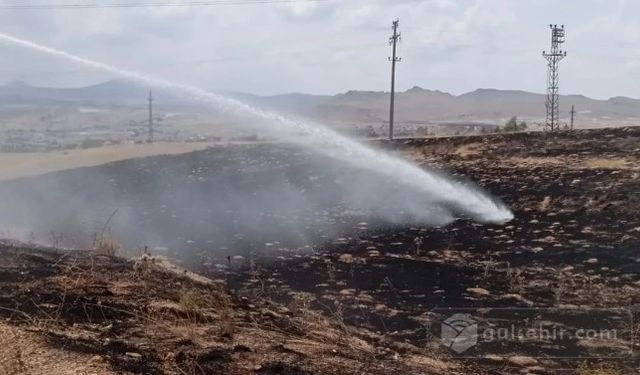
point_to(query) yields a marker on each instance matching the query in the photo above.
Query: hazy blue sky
(337, 45)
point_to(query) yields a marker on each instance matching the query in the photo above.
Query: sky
(333, 46)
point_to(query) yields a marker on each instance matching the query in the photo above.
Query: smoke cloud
(346, 175)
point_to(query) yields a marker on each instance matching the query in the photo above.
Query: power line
(149, 4)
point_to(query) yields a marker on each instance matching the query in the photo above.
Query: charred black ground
(572, 246)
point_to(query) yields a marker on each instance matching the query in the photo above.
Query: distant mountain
(110, 93)
(421, 106)
(414, 106)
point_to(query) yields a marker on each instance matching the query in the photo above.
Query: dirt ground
(80, 312)
(365, 301)
(15, 165)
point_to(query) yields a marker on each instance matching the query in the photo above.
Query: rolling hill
(413, 107)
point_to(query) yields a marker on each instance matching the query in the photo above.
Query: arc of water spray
(466, 199)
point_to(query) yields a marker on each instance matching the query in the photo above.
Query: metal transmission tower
(150, 139)
(554, 57)
(393, 41)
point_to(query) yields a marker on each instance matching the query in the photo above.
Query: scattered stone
(547, 239)
(478, 292)
(545, 204)
(494, 358)
(514, 298)
(522, 361)
(537, 370)
(587, 230)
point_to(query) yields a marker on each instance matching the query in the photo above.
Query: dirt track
(21, 164)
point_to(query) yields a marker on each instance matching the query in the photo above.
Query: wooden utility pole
(393, 41)
(150, 140)
(573, 112)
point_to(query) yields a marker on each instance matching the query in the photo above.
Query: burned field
(568, 259)
(378, 287)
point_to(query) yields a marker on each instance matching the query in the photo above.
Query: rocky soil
(569, 258)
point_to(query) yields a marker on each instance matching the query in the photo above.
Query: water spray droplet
(443, 192)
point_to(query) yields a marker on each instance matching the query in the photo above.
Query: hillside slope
(414, 106)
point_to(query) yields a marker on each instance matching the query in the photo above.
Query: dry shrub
(107, 245)
(222, 304)
(189, 300)
(301, 303)
(145, 264)
(197, 307)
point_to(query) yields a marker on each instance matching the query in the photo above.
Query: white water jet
(465, 199)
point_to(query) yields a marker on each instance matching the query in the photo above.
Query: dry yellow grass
(607, 163)
(471, 149)
(535, 161)
(14, 165)
(575, 163)
(26, 353)
(107, 245)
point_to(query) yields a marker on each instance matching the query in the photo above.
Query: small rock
(548, 239)
(513, 298)
(478, 292)
(494, 358)
(522, 361)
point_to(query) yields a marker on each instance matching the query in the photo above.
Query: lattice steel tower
(553, 58)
